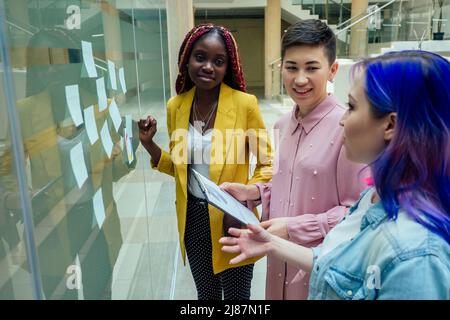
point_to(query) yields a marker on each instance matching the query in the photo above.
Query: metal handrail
(27, 28)
(365, 17)
(341, 5)
(274, 61)
(313, 8)
(350, 19)
(19, 27)
(24, 25)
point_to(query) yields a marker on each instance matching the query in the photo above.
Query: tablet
(224, 201)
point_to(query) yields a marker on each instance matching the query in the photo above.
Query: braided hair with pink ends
(234, 76)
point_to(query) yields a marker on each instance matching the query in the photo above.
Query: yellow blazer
(236, 113)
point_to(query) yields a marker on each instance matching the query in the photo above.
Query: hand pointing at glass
(147, 130)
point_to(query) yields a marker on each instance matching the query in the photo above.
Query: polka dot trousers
(234, 283)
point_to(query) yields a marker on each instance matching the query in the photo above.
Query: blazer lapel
(220, 144)
(182, 122)
(184, 110)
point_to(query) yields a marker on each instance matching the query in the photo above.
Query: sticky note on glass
(78, 164)
(129, 125)
(99, 207)
(112, 75)
(122, 144)
(129, 148)
(115, 114)
(106, 139)
(73, 103)
(101, 94)
(90, 124)
(122, 80)
(88, 59)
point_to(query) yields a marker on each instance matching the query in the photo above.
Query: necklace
(203, 122)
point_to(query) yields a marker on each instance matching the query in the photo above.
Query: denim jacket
(387, 259)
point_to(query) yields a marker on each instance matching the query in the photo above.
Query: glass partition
(397, 25)
(16, 281)
(83, 72)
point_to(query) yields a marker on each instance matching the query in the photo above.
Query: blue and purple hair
(413, 171)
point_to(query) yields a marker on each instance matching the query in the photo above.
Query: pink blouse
(313, 184)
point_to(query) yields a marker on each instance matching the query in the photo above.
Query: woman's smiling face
(305, 71)
(208, 62)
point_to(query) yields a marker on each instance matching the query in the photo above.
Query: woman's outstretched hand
(237, 190)
(241, 191)
(147, 129)
(251, 242)
(277, 226)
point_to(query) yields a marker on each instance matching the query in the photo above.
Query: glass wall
(74, 181)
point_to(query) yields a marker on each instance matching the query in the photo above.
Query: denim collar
(374, 216)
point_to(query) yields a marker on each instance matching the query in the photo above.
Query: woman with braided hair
(210, 113)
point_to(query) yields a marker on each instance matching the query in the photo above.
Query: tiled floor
(150, 265)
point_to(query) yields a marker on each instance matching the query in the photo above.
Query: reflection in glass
(83, 240)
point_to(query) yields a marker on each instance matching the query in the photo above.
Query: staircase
(292, 13)
(291, 10)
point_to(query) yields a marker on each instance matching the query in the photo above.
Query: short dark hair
(310, 32)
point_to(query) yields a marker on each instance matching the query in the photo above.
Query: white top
(348, 227)
(199, 154)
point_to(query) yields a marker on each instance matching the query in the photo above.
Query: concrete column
(111, 31)
(358, 33)
(180, 19)
(272, 45)
(113, 39)
(19, 11)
